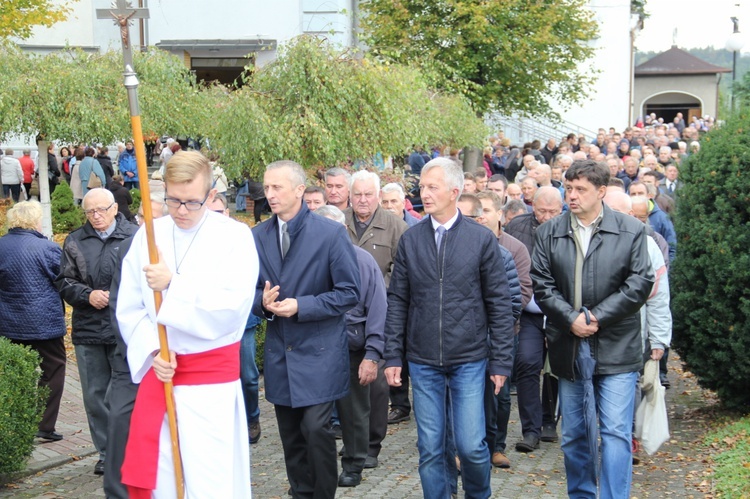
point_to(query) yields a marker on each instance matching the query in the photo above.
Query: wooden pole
(131, 83)
(123, 13)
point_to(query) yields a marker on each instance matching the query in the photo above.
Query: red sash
(139, 470)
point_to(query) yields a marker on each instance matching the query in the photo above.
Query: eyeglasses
(189, 205)
(99, 211)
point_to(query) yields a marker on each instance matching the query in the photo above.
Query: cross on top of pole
(123, 13)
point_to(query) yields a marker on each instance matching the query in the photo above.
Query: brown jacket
(380, 239)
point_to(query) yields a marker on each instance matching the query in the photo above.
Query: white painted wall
(78, 30)
(607, 104)
(279, 20)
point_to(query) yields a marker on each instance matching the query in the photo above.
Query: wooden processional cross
(123, 14)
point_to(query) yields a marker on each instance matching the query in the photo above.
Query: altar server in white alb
(207, 265)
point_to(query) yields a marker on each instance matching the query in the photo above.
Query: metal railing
(521, 129)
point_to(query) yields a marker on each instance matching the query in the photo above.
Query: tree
(73, 96)
(506, 55)
(710, 278)
(18, 17)
(322, 107)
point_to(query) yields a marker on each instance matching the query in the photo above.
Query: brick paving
(65, 469)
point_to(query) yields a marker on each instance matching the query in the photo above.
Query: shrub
(710, 277)
(5, 205)
(260, 343)
(136, 195)
(21, 404)
(66, 215)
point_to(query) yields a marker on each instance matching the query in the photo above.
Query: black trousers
(354, 415)
(122, 392)
(309, 450)
(379, 392)
(400, 394)
(52, 353)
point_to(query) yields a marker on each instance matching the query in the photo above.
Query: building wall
(670, 87)
(607, 104)
(280, 20)
(77, 31)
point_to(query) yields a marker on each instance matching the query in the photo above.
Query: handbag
(651, 421)
(94, 181)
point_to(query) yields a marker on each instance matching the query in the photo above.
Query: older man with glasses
(88, 263)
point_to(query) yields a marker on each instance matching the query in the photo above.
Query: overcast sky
(699, 23)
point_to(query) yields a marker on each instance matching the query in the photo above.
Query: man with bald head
(89, 260)
(656, 218)
(543, 176)
(537, 420)
(656, 318)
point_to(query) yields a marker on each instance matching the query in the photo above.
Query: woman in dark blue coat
(31, 311)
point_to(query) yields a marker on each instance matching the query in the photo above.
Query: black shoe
(549, 433)
(371, 462)
(513, 389)
(99, 468)
(349, 479)
(49, 435)
(398, 415)
(254, 432)
(528, 444)
(665, 381)
(343, 449)
(337, 432)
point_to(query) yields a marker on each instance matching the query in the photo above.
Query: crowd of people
(542, 273)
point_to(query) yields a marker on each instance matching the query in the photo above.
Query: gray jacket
(617, 279)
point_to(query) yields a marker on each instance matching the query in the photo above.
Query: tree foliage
(314, 104)
(74, 96)
(321, 107)
(506, 55)
(18, 17)
(710, 278)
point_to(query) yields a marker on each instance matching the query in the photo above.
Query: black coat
(122, 198)
(617, 279)
(106, 163)
(88, 263)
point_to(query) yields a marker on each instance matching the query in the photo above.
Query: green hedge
(260, 343)
(136, 195)
(66, 215)
(21, 404)
(710, 277)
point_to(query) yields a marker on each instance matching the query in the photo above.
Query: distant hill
(719, 57)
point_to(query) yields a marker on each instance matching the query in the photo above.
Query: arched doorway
(667, 104)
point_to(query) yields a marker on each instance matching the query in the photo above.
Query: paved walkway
(65, 469)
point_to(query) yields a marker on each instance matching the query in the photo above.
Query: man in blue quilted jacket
(449, 316)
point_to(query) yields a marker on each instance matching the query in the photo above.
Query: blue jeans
(462, 386)
(249, 371)
(615, 395)
(241, 201)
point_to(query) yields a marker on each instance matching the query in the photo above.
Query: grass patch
(732, 459)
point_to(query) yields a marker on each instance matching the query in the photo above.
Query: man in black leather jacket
(591, 274)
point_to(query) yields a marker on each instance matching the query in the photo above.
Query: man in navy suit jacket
(308, 280)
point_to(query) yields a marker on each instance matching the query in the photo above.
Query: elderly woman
(31, 311)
